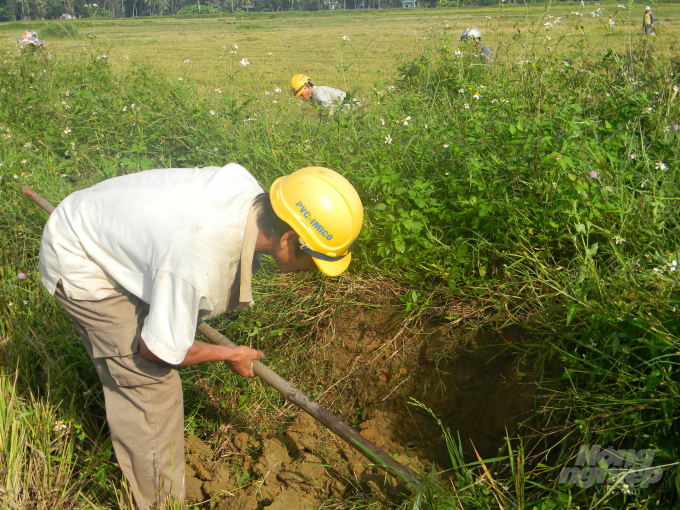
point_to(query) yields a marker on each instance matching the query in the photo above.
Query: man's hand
(239, 358)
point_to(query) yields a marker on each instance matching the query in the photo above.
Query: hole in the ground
(472, 385)
(376, 363)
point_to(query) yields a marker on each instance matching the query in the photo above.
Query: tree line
(15, 10)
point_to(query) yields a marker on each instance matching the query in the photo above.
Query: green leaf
(243, 477)
(652, 382)
(570, 313)
(413, 226)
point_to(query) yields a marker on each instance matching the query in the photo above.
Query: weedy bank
(521, 236)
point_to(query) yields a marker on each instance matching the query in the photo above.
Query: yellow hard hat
(297, 83)
(325, 210)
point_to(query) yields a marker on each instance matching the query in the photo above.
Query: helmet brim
(333, 268)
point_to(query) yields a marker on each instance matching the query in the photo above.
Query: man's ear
(289, 237)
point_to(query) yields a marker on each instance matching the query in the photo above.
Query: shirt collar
(250, 262)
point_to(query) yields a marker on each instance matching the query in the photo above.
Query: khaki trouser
(144, 406)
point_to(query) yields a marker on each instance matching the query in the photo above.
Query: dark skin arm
(238, 358)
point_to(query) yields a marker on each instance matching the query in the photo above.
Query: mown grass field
(312, 42)
(536, 195)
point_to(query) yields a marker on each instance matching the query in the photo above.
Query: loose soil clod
(301, 469)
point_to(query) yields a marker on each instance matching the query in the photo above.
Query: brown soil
(298, 470)
(377, 364)
(471, 384)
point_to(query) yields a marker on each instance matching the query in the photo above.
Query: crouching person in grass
(327, 98)
(137, 260)
(482, 50)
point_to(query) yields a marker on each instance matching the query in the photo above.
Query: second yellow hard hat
(297, 83)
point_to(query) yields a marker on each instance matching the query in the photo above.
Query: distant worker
(648, 21)
(475, 33)
(31, 37)
(326, 97)
(137, 260)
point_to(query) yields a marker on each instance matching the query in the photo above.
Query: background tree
(8, 10)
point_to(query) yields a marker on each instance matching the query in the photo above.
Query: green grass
(529, 210)
(310, 42)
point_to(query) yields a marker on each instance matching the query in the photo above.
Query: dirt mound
(304, 467)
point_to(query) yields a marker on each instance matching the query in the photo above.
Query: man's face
(306, 92)
(285, 257)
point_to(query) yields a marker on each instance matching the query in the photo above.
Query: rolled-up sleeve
(170, 328)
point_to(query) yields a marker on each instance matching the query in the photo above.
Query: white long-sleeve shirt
(175, 238)
(327, 96)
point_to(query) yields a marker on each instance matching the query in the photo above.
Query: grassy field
(529, 206)
(312, 42)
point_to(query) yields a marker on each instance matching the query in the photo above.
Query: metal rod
(290, 392)
(40, 201)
